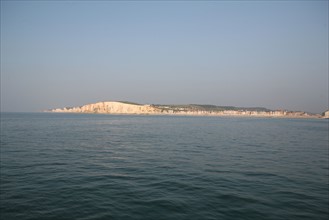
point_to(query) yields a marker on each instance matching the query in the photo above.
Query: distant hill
(124, 107)
(214, 108)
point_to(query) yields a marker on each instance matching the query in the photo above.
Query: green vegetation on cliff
(130, 103)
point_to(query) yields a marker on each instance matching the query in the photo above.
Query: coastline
(124, 108)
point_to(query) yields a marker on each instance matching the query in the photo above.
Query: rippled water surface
(80, 166)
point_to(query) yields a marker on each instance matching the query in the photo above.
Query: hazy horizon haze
(271, 54)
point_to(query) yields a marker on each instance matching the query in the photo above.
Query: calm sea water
(80, 166)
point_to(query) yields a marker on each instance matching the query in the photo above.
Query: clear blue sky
(272, 54)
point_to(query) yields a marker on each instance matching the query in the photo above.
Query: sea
(98, 166)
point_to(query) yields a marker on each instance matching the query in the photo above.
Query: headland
(121, 107)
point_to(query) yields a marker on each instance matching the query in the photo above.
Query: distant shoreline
(129, 108)
(183, 115)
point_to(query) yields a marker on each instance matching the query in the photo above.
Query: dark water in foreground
(70, 166)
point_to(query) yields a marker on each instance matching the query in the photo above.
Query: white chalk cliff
(326, 114)
(110, 108)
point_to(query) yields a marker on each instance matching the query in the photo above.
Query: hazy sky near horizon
(272, 54)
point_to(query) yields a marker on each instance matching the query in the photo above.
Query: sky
(271, 54)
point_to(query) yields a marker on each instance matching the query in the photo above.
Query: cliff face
(326, 114)
(110, 108)
(127, 108)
